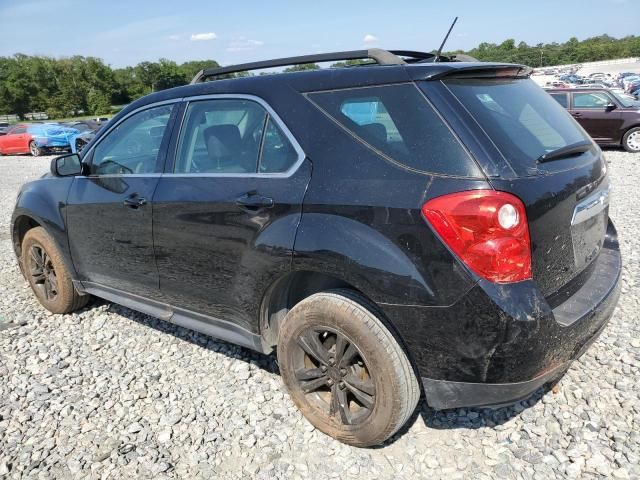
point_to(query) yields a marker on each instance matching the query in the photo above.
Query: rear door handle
(134, 201)
(253, 201)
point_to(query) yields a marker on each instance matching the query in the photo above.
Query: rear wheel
(345, 370)
(631, 140)
(47, 274)
(35, 150)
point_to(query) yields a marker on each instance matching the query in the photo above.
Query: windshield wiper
(566, 151)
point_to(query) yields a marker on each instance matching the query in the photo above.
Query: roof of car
(335, 78)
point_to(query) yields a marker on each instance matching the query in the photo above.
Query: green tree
(302, 67)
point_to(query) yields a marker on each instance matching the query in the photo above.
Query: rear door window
(232, 136)
(521, 119)
(397, 122)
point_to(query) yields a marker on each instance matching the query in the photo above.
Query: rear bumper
(501, 343)
(442, 394)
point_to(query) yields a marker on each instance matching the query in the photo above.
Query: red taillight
(488, 230)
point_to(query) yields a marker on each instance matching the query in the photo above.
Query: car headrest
(222, 140)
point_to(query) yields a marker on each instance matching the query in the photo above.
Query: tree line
(573, 51)
(68, 86)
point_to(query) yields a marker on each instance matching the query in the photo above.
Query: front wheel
(631, 140)
(47, 274)
(35, 150)
(345, 370)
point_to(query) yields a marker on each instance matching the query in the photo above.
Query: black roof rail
(381, 57)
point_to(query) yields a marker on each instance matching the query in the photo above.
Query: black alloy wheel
(43, 272)
(47, 273)
(345, 371)
(332, 373)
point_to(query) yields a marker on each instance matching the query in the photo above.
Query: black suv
(408, 225)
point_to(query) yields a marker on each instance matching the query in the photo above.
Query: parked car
(36, 139)
(379, 227)
(556, 84)
(86, 130)
(4, 127)
(609, 118)
(633, 88)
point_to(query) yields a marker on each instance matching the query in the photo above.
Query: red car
(36, 139)
(17, 140)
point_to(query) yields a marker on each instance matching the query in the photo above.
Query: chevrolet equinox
(410, 226)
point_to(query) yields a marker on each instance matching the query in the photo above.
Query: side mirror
(66, 165)
(610, 107)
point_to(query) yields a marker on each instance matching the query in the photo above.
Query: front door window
(133, 147)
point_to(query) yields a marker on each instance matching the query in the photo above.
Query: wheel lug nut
(323, 368)
(343, 371)
(341, 385)
(331, 361)
(329, 382)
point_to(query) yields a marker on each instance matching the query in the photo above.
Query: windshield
(521, 119)
(626, 100)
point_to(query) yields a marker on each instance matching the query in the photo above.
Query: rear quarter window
(397, 122)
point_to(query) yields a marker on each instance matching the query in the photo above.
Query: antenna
(445, 40)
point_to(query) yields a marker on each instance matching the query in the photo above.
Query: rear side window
(521, 119)
(561, 98)
(398, 122)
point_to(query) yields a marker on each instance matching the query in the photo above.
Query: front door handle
(576, 114)
(253, 201)
(134, 201)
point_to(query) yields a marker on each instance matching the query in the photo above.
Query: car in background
(634, 88)
(609, 118)
(4, 127)
(628, 81)
(571, 79)
(556, 84)
(86, 130)
(36, 139)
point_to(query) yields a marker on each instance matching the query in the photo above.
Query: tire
(360, 397)
(631, 140)
(35, 150)
(52, 283)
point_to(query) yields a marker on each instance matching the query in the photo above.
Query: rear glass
(398, 122)
(521, 119)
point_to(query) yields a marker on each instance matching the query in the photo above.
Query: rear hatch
(547, 160)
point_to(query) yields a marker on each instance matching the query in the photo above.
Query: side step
(214, 327)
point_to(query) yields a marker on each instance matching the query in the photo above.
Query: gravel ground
(111, 393)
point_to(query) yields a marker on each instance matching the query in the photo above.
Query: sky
(127, 32)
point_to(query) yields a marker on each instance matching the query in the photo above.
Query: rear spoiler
(478, 70)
